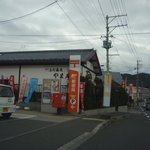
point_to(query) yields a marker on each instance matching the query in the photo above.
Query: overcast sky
(79, 24)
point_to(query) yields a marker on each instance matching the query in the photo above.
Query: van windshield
(6, 91)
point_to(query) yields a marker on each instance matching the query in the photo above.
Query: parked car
(7, 100)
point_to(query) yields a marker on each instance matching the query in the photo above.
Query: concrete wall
(48, 108)
(105, 110)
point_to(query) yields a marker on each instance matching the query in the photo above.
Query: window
(6, 91)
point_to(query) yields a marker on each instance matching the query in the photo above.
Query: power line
(49, 35)
(100, 6)
(136, 33)
(73, 23)
(34, 42)
(84, 16)
(70, 19)
(130, 42)
(61, 35)
(26, 15)
(92, 4)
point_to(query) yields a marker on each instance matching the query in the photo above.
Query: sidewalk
(35, 115)
(71, 116)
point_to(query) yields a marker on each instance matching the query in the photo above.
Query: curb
(75, 143)
(119, 117)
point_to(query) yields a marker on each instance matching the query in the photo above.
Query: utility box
(59, 100)
(107, 44)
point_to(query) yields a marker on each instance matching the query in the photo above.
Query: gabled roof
(51, 57)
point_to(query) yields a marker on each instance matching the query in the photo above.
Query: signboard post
(82, 93)
(23, 85)
(12, 81)
(74, 83)
(107, 89)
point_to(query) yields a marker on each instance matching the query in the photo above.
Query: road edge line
(76, 142)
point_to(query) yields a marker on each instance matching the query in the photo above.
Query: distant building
(143, 92)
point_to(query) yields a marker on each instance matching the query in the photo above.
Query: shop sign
(55, 86)
(46, 91)
(74, 83)
(107, 89)
(131, 89)
(58, 72)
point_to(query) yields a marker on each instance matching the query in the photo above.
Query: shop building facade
(46, 65)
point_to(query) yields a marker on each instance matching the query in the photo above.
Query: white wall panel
(44, 72)
(10, 70)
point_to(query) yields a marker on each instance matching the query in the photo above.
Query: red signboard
(58, 100)
(73, 99)
(74, 83)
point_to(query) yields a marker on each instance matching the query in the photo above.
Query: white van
(7, 99)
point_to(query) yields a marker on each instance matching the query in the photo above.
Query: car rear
(7, 98)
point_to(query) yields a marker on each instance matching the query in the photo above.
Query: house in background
(116, 77)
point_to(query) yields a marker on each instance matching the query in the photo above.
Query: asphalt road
(129, 134)
(29, 134)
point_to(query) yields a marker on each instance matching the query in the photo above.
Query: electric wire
(129, 29)
(35, 42)
(119, 12)
(84, 16)
(92, 4)
(98, 13)
(73, 23)
(100, 6)
(29, 14)
(127, 38)
(78, 35)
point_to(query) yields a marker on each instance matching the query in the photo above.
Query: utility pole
(107, 43)
(137, 80)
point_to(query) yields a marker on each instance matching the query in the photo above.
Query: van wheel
(6, 115)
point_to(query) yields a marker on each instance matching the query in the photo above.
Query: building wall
(45, 72)
(41, 72)
(10, 70)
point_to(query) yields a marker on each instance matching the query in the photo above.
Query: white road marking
(147, 115)
(16, 117)
(72, 145)
(23, 116)
(25, 133)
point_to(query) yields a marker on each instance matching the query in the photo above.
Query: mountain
(144, 79)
